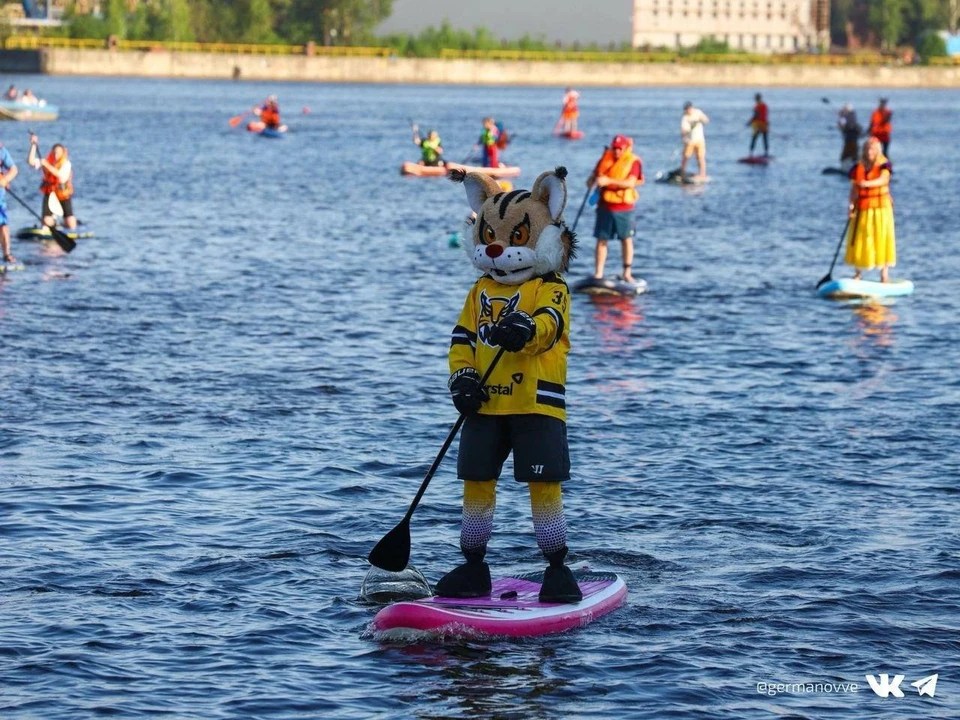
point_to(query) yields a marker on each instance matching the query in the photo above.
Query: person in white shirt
(691, 133)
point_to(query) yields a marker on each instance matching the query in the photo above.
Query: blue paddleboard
(848, 288)
(610, 286)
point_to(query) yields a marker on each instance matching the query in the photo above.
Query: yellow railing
(23, 42)
(668, 57)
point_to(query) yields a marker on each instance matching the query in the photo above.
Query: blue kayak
(273, 132)
(848, 288)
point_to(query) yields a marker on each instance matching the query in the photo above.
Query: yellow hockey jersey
(534, 379)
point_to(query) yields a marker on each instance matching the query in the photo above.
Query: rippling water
(211, 411)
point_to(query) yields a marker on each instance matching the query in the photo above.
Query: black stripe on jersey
(552, 394)
(555, 278)
(509, 198)
(557, 317)
(463, 336)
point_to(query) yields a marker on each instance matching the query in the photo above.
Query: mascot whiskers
(515, 324)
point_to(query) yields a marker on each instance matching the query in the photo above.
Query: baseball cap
(620, 141)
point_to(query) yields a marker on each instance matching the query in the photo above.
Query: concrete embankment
(163, 63)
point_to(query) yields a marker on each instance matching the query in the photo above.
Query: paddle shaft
(446, 443)
(843, 236)
(63, 240)
(580, 211)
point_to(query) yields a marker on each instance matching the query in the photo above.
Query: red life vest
(881, 125)
(52, 184)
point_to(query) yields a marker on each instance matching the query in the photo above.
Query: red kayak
(412, 168)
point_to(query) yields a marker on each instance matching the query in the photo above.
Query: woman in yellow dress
(871, 241)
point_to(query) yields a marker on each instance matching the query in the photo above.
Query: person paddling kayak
(269, 113)
(57, 185)
(8, 171)
(871, 238)
(760, 124)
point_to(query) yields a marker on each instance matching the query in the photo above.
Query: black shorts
(67, 206)
(539, 444)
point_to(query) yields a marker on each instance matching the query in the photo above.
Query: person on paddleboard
(57, 185)
(617, 174)
(760, 124)
(871, 236)
(508, 371)
(851, 130)
(269, 113)
(489, 147)
(881, 125)
(694, 141)
(8, 171)
(430, 146)
(570, 112)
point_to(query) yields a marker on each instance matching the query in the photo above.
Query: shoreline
(435, 71)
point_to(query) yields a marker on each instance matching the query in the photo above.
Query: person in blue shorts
(618, 174)
(8, 171)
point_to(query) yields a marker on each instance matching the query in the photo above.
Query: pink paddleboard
(512, 610)
(756, 160)
(572, 135)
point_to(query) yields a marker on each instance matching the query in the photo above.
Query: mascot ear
(551, 189)
(479, 187)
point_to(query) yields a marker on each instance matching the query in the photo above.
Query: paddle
(66, 243)
(582, 205)
(392, 553)
(237, 119)
(843, 236)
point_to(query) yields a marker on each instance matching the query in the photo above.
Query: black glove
(513, 331)
(468, 394)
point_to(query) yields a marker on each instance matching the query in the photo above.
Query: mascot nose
(494, 251)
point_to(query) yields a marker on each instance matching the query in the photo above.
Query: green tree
(115, 18)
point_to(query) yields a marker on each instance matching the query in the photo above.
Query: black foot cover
(559, 585)
(470, 580)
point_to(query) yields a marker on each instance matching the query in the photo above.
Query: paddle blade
(237, 119)
(66, 243)
(392, 553)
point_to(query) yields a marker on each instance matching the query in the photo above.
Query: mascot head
(520, 234)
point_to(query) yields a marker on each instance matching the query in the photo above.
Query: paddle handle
(446, 443)
(583, 204)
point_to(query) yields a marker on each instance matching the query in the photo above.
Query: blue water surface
(212, 410)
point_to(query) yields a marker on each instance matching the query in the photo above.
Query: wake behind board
(610, 286)
(848, 289)
(512, 610)
(756, 160)
(43, 233)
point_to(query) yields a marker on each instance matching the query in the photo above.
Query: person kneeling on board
(57, 184)
(515, 326)
(269, 113)
(871, 239)
(8, 171)
(618, 174)
(431, 148)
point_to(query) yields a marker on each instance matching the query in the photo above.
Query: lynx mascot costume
(521, 306)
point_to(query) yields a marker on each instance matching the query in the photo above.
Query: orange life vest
(52, 184)
(270, 116)
(872, 197)
(881, 125)
(618, 170)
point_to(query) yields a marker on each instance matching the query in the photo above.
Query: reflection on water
(614, 317)
(875, 321)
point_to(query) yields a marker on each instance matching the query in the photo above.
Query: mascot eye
(489, 235)
(520, 235)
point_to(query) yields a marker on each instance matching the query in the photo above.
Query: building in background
(762, 26)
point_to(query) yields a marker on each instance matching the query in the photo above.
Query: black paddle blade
(392, 553)
(824, 280)
(66, 243)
